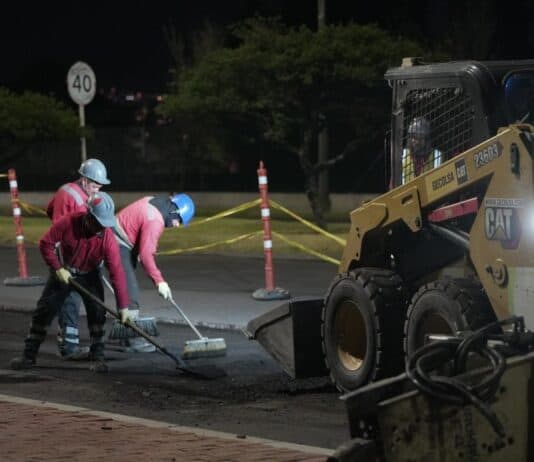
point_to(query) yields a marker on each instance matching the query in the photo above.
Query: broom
(208, 372)
(120, 331)
(203, 347)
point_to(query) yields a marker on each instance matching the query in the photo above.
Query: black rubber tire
(445, 306)
(362, 321)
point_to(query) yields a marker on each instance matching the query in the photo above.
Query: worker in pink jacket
(138, 230)
(69, 198)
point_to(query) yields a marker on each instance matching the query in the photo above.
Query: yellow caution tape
(339, 240)
(226, 213)
(213, 244)
(31, 208)
(320, 255)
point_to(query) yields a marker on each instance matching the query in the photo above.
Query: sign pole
(81, 84)
(81, 111)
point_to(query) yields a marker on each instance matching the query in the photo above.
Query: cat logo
(502, 224)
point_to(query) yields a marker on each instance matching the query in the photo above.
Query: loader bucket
(291, 334)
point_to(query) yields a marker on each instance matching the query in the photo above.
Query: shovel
(208, 372)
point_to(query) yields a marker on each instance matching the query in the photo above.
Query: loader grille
(450, 116)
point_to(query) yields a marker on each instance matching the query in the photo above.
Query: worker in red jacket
(69, 198)
(139, 228)
(75, 247)
(72, 197)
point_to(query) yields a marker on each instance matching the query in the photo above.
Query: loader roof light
(519, 96)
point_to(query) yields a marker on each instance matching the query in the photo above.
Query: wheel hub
(352, 336)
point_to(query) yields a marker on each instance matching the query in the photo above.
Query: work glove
(164, 290)
(63, 275)
(126, 315)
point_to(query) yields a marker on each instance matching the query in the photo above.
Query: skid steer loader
(448, 248)
(436, 279)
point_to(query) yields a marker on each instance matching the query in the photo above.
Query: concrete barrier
(342, 204)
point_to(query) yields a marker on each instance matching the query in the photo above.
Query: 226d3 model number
(487, 154)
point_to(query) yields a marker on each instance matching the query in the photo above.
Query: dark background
(125, 45)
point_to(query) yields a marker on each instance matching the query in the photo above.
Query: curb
(159, 424)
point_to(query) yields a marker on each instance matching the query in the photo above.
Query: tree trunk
(312, 184)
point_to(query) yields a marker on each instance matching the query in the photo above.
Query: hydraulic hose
(421, 368)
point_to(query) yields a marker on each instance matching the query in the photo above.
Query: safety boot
(74, 354)
(22, 362)
(137, 345)
(96, 356)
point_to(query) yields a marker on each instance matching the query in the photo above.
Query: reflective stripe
(71, 330)
(74, 340)
(408, 168)
(73, 193)
(437, 158)
(262, 179)
(265, 212)
(121, 235)
(151, 212)
(268, 244)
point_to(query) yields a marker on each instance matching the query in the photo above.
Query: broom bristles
(119, 331)
(204, 348)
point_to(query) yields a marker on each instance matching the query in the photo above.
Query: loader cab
(463, 103)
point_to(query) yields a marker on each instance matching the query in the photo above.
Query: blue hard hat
(185, 206)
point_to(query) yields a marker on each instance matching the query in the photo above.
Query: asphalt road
(255, 397)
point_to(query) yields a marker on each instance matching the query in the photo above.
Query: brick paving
(34, 431)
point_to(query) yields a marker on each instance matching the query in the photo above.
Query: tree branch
(349, 148)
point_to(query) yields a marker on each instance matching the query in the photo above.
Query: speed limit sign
(81, 83)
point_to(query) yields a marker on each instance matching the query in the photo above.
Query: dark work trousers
(53, 296)
(129, 263)
(68, 319)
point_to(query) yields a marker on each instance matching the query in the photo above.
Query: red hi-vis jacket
(83, 252)
(69, 198)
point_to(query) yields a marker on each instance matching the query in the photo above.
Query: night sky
(124, 43)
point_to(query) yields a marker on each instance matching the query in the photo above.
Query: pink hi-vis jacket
(143, 225)
(68, 198)
(84, 253)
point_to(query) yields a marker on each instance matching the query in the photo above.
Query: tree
(30, 117)
(277, 80)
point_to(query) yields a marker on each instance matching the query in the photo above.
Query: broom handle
(199, 335)
(191, 325)
(128, 323)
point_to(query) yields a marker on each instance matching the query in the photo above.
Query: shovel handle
(131, 325)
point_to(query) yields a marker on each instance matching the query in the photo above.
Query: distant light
(159, 98)
(130, 97)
